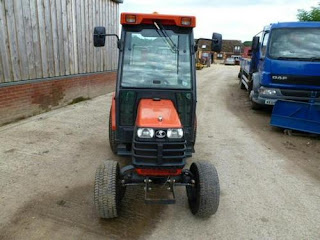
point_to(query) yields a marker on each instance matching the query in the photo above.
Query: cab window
(264, 44)
(155, 60)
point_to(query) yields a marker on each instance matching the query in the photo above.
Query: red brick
(31, 98)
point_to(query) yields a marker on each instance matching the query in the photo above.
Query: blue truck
(285, 64)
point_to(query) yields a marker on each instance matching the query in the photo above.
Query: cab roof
(293, 25)
(143, 18)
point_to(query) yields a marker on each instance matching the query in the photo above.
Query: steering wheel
(149, 81)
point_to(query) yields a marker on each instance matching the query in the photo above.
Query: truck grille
(159, 153)
(297, 80)
(298, 93)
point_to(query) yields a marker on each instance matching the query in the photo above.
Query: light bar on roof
(130, 18)
(185, 21)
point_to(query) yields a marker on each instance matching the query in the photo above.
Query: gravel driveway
(270, 182)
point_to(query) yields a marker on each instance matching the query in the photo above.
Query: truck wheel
(239, 74)
(250, 87)
(241, 85)
(204, 196)
(256, 106)
(112, 136)
(108, 189)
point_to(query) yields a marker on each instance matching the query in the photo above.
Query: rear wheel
(112, 136)
(204, 196)
(108, 190)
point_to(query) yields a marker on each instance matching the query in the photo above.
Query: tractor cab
(156, 63)
(153, 112)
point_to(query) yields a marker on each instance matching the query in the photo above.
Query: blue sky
(233, 19)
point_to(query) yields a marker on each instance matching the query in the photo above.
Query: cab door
(263, 51)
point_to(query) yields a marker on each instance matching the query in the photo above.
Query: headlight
(145, 132)
(267, 91)
(175, 133)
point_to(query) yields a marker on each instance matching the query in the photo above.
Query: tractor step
(159, 194)
(122, 150)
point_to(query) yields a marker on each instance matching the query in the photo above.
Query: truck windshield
(299, 43)
(156, 60)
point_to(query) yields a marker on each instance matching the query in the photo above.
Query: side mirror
(99, 36)
(216, 42)
(255, 44)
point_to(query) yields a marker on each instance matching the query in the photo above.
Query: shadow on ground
(75, 210)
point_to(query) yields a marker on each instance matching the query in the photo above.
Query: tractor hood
(157, 114)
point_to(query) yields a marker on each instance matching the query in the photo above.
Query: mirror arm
(114, 35)
(195, 49)
(107, 35)
(110, 35)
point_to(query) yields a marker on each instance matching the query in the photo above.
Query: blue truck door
(263, 52)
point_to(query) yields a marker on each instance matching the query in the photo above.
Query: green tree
(307, 16)
(247, 43)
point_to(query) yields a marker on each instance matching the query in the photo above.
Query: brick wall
(26, 99)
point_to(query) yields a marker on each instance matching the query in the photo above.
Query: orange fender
(113, 112)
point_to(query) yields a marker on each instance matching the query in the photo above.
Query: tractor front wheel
(108, 190)
(204, 196)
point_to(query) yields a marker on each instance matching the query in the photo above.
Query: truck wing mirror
(255, 44)
(216, 42)
(99, 36)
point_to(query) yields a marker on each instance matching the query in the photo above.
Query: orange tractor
(153, 116)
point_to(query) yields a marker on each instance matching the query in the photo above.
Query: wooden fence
(49, 38)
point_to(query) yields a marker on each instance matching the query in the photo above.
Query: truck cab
(285, 64)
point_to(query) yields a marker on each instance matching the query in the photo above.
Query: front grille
(293, 93)
(159, 153)
(296, 80)
(299, 93)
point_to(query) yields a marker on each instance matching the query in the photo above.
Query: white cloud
(233, 19)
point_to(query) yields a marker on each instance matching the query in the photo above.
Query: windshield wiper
(293, 58)
(163, 33)
(314, 59)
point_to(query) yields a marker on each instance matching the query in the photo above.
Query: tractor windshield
(157, 58)
(295, 43)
